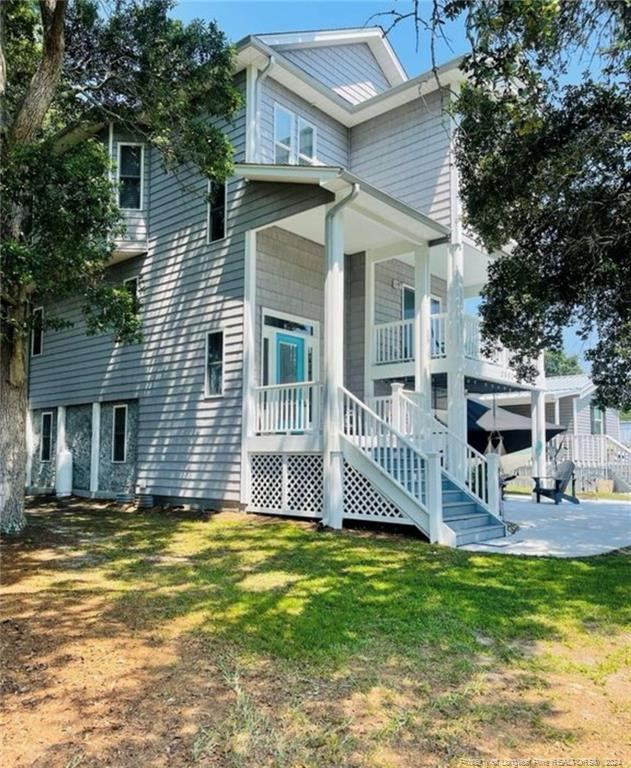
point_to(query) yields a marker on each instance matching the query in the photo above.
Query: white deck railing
(287, 408)
(393, 342)
(592, 452)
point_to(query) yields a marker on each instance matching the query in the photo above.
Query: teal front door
(290, 359)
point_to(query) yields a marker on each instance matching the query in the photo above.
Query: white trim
(251, 76)
(312, 342)
(41, 437)
(292, 135)
(225, 213)
(29, 447)
(135, 280)
(207, 394)
(299, 155)
(41, 350)
(114, 409)
(95, 448)
(248, 407)
(142, 172)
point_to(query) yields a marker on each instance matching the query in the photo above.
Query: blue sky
(238, 19)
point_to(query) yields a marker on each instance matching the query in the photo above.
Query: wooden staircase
(414, 482)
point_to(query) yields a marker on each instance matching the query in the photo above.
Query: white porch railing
(287, 408)
(393, 342)
(592, 452)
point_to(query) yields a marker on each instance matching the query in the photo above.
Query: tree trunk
(12, 444)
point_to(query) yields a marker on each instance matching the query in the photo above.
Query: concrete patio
(566, 530)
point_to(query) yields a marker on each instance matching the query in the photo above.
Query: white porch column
(333, 371)
(396, 417)
(538, 411)
(95, 446)
(29, 447)
(63, 458)
(248, 414)
(422, 328)
(456, 394)
(369, 324)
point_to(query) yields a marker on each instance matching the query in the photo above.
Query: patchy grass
(151, 639)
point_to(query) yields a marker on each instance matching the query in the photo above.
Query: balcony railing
(287, 408)
(394, 342)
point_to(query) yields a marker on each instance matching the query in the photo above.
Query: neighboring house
(593, 437)
(281, 320)
(625, 432)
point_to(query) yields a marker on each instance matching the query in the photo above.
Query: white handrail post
(493, 483)
(434, 498)
(422, 330)
(397, 417)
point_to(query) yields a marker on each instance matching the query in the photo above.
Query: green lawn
(329, 649)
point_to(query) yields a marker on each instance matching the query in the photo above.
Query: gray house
(299, 330)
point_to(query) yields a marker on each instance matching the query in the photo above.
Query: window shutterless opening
(37, 334)
(119, 434)
(283, 136)
(130, 171)
(131, 286)
(214, 363)
(306, 142)
(217, 211)
(46, 436)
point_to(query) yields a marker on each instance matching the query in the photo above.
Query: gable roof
(578, 384)
(373, 37)
(254, 51)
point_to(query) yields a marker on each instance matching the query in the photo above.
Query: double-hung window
(597, 420)
(217, 200)
(37, 333)
(214, 363)
(119, 434)
(284, 127)
(46, 436)
(306, 142)
(130, 176)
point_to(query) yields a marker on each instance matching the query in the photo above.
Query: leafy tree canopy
(557, 363)
(543, 147)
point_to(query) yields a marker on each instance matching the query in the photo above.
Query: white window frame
(225, 215)
(142, 172)
(268, 332)
(440, 303)
(41, 437)
(114, 409)
(310, 160)
(41, 350)
(292, 134)
(207, 394)
(133, 279)
(406, 287)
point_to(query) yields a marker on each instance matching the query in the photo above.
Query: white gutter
(259, 80)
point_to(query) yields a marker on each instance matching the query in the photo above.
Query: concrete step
(470, 521)
(483, 533)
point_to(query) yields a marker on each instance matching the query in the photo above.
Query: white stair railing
(287, 408)
(461, 461)
(414, 472)
(592, 452)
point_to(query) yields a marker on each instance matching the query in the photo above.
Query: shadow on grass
(343, 612)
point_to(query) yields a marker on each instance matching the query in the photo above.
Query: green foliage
(164, 81)
(544, 165)
(557, 363)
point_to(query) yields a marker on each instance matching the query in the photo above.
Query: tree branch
(41, 90)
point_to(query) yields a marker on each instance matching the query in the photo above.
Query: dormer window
(306, 142)
(283, 136)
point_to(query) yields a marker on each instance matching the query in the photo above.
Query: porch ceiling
(373, 220)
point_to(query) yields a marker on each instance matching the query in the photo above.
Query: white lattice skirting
(292, 484)
(287, 484)
(362, 501)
